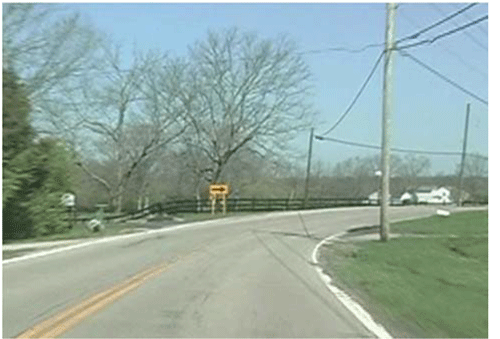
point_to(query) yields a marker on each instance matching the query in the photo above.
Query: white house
(427, 195)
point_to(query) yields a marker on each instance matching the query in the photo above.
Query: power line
(469, 17)
(440, 36)
(350, 143)
(406, 54)
(357, 95)
(413, 36)
(342, 49)
(456, 55)
(401, 150)
(440, 22)
(468, 34)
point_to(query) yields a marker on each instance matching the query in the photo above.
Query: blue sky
(429, 114)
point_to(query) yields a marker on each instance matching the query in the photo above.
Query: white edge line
(104, 240)
(165, 230)
(363, 316)
(169, 229)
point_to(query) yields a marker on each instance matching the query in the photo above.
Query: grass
(435, 286)
(80, 231)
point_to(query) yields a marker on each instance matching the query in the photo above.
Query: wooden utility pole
(460, 176)
(390, 44)
(308, 171)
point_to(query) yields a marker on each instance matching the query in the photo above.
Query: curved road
(237, 277)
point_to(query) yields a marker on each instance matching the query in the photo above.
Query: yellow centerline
(70, 317)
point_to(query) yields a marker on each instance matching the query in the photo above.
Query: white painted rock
(443, 213)
(95, 225)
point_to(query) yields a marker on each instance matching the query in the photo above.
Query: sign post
(68, 200)
(217, 190)
(212, 197)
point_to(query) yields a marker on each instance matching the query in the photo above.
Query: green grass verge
(80, 231)
(434, 286)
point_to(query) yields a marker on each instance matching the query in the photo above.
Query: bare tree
(412, 167)
(133, 114)
(476, 165)
(49, 48)
(247, 92)
(360, 174)
(476, 175)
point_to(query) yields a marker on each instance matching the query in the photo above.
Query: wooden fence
(255, 205)
(173, 207)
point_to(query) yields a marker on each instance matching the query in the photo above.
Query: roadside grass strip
(80, 231)
(112, 228)
(427, 286)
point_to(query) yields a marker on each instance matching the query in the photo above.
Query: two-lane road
(236, 277)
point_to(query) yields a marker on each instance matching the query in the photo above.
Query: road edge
(90, 242)
(356, 309)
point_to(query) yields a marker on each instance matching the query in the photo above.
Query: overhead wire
(468, 34)
(406, 54)
(412, 36)
(440, 36)
(342, 49)
(456, 55)
(357, 95)
(432, 70)
(409, 37)
(440, 22)
(470, 18)
(401, 150)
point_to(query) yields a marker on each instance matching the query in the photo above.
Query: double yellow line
(70, 317)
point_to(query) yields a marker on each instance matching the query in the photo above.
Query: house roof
(425, 189)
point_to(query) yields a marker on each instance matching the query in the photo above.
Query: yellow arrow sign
(219, 189)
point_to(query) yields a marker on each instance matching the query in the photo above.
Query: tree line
(357, 177)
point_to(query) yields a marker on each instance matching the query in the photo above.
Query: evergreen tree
(35, 174)
(17, 132)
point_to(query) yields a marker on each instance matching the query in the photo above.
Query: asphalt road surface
(237, 277)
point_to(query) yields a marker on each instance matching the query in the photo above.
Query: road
(236, 277)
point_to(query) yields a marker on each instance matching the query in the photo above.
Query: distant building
(373, 199)
(427, 195)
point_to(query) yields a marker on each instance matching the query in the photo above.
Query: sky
(429, 113)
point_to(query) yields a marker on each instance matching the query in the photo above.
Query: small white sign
(68, 200)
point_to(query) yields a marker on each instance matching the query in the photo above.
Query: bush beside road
(432, 281)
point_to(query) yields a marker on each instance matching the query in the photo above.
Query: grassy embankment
(432, 283)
